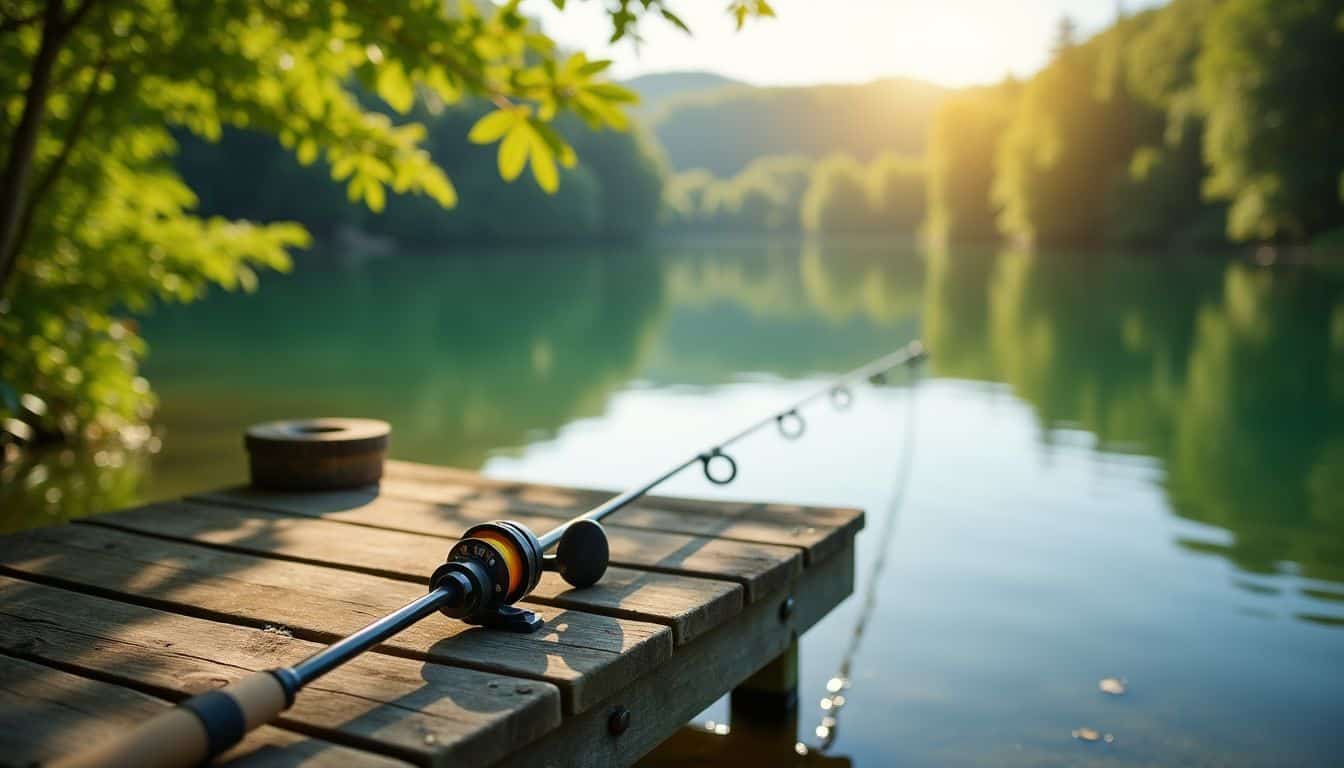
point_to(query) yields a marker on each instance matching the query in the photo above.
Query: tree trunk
(14, 180)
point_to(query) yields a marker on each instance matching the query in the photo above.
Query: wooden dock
(106, 620)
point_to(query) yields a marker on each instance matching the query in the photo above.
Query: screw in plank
(786, 608)
(619, 721)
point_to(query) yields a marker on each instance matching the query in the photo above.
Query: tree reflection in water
(1231, 375)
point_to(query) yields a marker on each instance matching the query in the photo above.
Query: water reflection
(53, 486)
(747, 741)
(785, 309)
(463, 356)
(1230, 375)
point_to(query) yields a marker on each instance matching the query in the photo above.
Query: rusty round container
(317, 454)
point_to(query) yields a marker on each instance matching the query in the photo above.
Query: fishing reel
(498, 563)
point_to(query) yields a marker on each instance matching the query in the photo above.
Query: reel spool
(500, 562)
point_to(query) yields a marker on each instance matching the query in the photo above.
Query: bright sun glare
(952, 42)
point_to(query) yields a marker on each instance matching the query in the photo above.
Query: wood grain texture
(690, 606)
(818, 531)
(760, 568)
(46, 713)
(426, 713)
(468, 483)
(586, 655)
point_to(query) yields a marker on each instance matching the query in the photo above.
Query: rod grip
(193, 731)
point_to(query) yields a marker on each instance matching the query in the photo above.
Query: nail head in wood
(619, 721)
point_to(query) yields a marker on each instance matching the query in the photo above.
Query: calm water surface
(1116, 467)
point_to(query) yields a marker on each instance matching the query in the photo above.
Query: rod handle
(193, 731)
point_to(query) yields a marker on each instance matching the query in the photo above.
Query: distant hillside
(655, 89)
(725, 128)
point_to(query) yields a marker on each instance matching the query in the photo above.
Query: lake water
(1111, 467)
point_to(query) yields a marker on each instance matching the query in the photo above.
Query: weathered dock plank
(818, 531)
(427, 713)
(689, 606)
(166, 600)
(585, 654)
(45, 713)
(760, 568)
(465, 484)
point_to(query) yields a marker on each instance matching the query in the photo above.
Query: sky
(950, 42)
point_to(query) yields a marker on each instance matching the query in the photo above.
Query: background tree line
(1201, 122)
(748, 159)
(615, 192)
(788, 195)
(1198, 124)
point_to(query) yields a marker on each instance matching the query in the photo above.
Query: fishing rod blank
(491, 567)
(788, 420)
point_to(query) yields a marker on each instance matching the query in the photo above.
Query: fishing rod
(492, 566)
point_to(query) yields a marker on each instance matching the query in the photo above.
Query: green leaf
(342, 167)
(614, 93)
(587, 104)
(563, 152)
(539, 42)
(394, 87)
(543, 166)
(307, 152)
(513, 151)
(675, 20)
(595, 67)
(490, 128)
(441, 189)
(375, 196)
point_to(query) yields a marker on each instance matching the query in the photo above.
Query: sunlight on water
(1125, 475)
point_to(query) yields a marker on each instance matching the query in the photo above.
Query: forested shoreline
(1188, 126)
(615, 191)
(1192, 124)
(1157, 132)
(1178, 127)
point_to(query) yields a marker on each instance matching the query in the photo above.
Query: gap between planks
(690, 605)
(760, 567)
(818, 531)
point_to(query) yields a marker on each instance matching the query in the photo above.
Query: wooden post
(771, 694)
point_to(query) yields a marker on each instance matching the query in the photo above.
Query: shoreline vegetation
(1144, 136)
(1202, 126)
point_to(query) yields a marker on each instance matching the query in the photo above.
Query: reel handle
(582, 555)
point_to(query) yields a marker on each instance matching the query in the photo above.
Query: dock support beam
(772, 693)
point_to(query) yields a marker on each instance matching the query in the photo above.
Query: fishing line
(840, 682)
